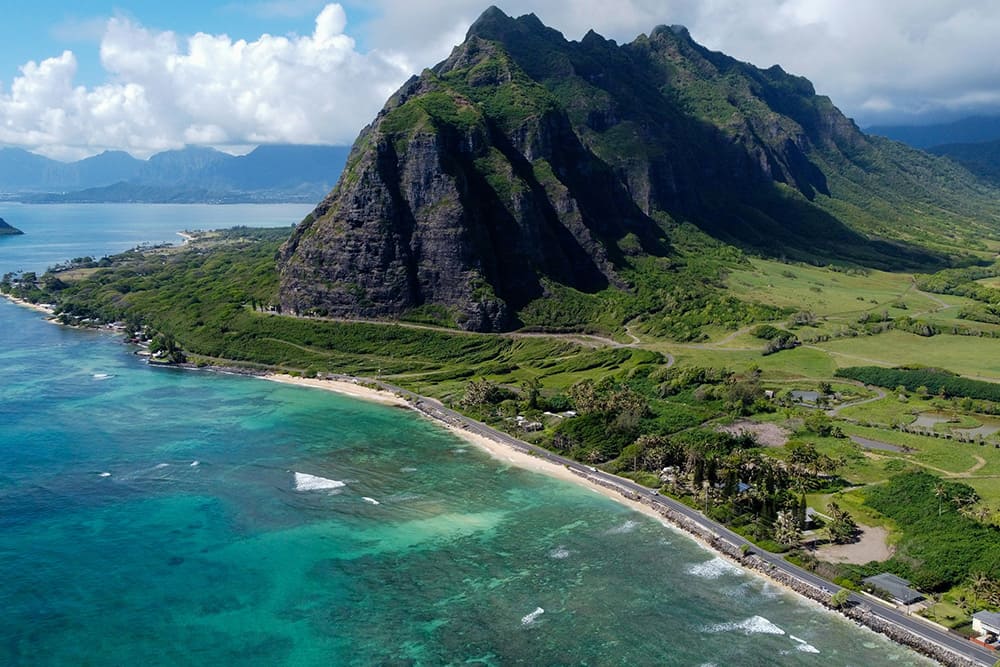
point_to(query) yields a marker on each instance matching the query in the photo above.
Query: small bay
(165, 517)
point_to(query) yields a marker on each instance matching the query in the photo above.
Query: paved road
(933, 633)
(879, 395)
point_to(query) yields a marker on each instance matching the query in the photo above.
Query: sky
(146, 75)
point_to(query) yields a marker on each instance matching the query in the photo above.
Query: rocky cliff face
(525, 160)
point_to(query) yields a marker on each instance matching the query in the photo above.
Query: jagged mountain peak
(525, 163)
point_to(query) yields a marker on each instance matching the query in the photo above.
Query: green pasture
(966, 355)
(822, 290)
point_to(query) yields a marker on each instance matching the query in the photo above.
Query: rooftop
(897, 587)
(990, 618)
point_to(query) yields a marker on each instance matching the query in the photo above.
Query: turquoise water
(162, 517)
(58, 232)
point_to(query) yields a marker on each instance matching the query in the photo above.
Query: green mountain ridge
(527, 169)
(981, 158)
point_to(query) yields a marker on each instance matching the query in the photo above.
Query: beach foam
(626, 527)
(755, 625)
(803, 645)
(713, 569)
(528, 619)
(307, 482)
(559, 553)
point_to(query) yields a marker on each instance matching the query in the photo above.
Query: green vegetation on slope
(925, 380)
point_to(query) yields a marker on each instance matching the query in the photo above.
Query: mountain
(982, 159)
(191, 174)
(7, 230)
(966, 130)
(526, 165)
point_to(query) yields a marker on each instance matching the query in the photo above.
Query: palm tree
(786, 529)
(980, 584)
(940, 492)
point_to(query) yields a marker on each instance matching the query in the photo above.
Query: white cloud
(879, 61)
(165, 91)
(911, 57)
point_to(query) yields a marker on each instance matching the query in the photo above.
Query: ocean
(165, 517)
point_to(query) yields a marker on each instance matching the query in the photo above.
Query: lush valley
(764, 430)
(707, 279)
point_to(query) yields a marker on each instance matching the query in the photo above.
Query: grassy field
(965, 355)
(824, 291)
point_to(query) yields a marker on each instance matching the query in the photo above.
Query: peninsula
(7, 230)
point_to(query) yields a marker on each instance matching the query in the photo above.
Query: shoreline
(668, 512)
(496, 450)
(38, 307)
(750, 561)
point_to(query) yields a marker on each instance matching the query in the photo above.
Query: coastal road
(948, 640)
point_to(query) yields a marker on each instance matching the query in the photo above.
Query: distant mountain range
(974, 129)
(268, 173)
(982, 159)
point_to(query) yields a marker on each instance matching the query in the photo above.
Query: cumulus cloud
(879, 61)
(164, 91)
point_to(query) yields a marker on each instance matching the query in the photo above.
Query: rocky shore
(857, 613)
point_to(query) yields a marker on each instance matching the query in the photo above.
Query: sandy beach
(497, 450)
(355, 390)
(27, 304)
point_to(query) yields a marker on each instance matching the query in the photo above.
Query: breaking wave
(528, 619)
(559, 553)
(370, 500)
(626, 527)
(713, 569)
(307, 482)
(755, 625)
(803, 645)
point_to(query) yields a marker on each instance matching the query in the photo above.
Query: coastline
(41, 308)
(714, 537)
(653, 506)
(497, 450)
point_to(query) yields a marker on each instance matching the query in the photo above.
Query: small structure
(807, 397)
(986, 623)
(769, 394)
(897, 588)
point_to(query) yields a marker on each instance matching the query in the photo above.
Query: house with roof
(986, 623)
(896, 588)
